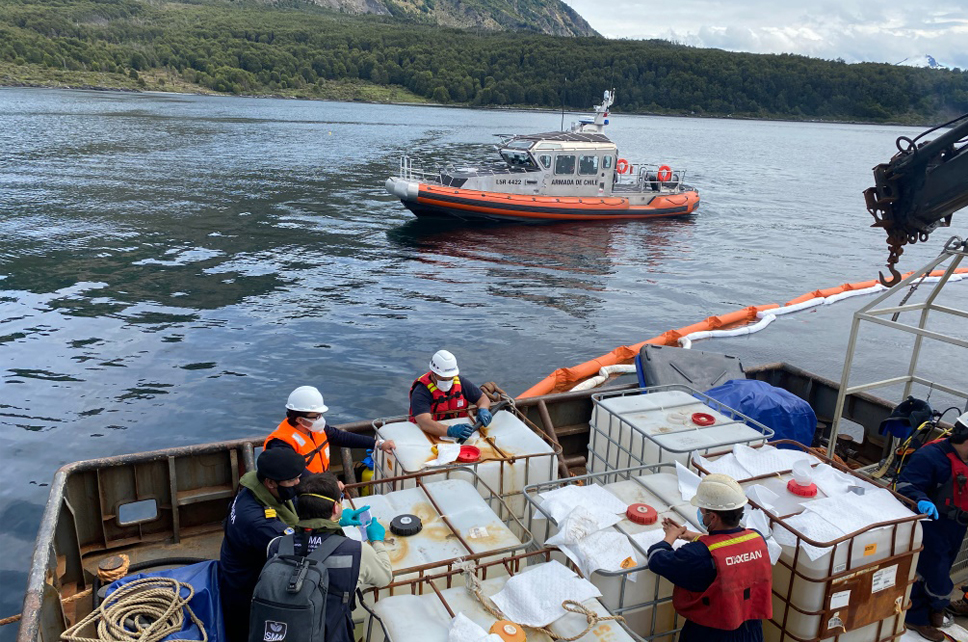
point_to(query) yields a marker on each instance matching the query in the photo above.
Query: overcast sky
(855, 30)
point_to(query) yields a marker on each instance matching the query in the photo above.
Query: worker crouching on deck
(936, 477)
(305, 430)
(442, 394)
(723, 580)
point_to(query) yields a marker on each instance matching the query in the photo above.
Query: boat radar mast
(596, 124)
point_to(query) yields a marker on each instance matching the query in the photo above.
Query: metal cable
(145, 610)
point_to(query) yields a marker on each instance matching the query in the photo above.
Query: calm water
(172, 266)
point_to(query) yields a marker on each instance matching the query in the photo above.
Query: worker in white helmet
(442, 394)
(305, 430)
(723, 580)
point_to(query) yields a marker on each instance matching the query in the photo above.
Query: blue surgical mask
(699, 516)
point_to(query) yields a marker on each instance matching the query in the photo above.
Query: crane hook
(895, 276)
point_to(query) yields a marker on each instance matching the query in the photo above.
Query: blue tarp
(788, 415)
(205, 603)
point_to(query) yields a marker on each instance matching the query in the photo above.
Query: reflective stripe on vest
(443, 405)
(316, 454)
(741, 589)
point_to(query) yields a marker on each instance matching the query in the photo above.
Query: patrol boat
(574, 175)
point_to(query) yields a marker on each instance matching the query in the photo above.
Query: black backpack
(289, 601)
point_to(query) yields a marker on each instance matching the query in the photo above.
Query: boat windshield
(518, 159)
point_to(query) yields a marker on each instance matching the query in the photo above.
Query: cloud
(855, 30)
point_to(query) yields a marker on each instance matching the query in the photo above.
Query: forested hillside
(314, 53)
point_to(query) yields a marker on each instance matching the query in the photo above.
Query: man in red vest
(723, 580)
(936, 477)
(441, 394)
(305, 430)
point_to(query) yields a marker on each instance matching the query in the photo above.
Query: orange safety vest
(444, 405)
(316, 454)
(742, 588)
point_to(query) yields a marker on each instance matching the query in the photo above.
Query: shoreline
(131, 90)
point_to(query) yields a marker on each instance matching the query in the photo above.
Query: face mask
(317, 425)
(286, 493)
(445, 385)
(699, 515)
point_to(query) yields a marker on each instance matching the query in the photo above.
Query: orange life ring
(622, 166)
(664, 174)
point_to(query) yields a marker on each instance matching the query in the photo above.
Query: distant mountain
(923, 60)
(552, 17)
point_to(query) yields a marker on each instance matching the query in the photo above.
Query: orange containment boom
(564, 379)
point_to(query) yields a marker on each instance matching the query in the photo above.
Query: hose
(145, 610)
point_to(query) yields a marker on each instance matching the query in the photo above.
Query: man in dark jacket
(352, 565)
(723, 580)
(936, 477)
(261, 511)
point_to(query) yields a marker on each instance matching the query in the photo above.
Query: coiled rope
(145, 610)
(473, 584)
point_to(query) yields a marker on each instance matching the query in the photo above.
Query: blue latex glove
(926, 507)
(460, 431)
(375, 531)
(352, 517)
(484, 416)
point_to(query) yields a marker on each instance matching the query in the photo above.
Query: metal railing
(954, 250)
(445, 176)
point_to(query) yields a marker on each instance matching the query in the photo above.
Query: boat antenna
(562, 94)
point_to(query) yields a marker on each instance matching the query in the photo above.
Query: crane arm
(919, 189)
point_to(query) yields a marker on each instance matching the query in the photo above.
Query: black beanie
(280, 464)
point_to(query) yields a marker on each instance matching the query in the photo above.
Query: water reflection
(566, 266)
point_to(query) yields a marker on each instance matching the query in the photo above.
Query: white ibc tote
(663, 424)
(849, 548)
(640, 596)
(512, 456)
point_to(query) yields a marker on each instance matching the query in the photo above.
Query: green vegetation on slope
(262, 50)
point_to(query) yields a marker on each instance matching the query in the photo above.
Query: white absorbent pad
(534, 597)
(725, 465)
(606, 550)
(463, 629)
(810, 525)
(446, 453)
(581, 522)
(759, 522)
(851, 513)
(688, 482)
(561, 501)
(648, 539)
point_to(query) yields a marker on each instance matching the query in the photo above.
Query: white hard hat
(719, 492)
(306, 399)
(444, 364)
(961, 424)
